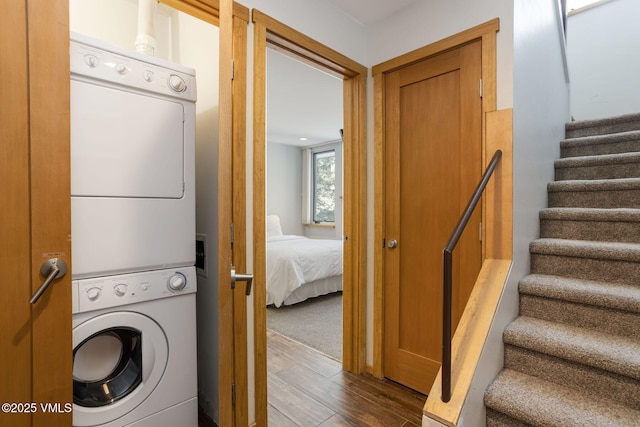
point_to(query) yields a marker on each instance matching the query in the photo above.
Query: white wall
(116, 22)
(428, 21)
(540, 110)
(603, 44)
(284, 186)
(191, 42)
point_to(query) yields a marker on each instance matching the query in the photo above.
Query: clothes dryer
(134, 350)
(132, 161)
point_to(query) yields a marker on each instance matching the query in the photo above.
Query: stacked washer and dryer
(133, 235)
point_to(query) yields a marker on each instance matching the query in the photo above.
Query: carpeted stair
(572, 357)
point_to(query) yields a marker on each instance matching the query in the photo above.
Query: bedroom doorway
(271, 33)
(304, 195)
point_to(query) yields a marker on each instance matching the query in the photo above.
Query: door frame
(486, 32)
(272, 33)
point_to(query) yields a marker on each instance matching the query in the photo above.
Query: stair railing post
(447, 274)
(447, 296)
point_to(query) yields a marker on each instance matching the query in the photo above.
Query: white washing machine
(134, 350)
(132, 161)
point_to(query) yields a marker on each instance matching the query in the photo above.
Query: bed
(299, 268)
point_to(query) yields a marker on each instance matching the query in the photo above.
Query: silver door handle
(393, 243)
(53, 268)
(241, 278)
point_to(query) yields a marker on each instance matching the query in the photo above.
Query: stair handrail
(447, 275)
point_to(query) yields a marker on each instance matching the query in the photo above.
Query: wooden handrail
(447, 276)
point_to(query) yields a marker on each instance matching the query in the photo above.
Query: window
(323, 197)
(322, 170)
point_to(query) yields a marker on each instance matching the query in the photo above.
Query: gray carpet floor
(316, 322)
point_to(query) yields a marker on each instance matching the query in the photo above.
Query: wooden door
(433, 163)
(35, 339)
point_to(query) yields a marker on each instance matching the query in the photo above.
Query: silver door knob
(53, 269)
(241, 278)
(393, 243)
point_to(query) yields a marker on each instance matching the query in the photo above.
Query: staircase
(572, 357)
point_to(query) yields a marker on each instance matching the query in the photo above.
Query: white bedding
(293, 261)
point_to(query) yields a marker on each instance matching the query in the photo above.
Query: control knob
(120, 289)
(177, 282)
(177, 83)
(93, 293)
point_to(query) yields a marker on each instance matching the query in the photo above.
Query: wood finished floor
(307, 389)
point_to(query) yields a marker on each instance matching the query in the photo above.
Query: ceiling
(303, 102)
(369, 12)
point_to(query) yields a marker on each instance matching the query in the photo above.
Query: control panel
(112, 291)
(90, 59)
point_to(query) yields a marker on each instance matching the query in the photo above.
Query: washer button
(122, 69)
(148, 76)
(91, 61)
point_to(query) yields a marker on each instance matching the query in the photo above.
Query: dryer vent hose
(146, 38)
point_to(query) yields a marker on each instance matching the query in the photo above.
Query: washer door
(118, 360)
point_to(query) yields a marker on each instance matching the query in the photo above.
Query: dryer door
(118, 360)
(125, 144)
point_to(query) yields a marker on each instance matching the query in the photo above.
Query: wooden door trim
(272, 33)
(485, 32)
(303, 48)
(226, 342)
(239, 215)
(232, 340)
(208, 11)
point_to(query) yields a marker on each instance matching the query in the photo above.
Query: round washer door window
(118, 360)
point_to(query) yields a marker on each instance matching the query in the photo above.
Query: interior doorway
(304, 195)
(269, 32)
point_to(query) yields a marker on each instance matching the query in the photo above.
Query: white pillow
(273, 226)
